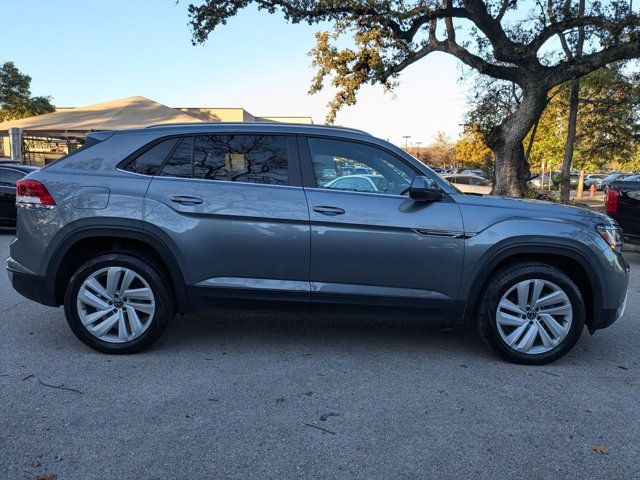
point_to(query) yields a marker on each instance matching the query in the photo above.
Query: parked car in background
(470, 183)
(478, 173)
(541, 181)
(594, 178)
(9, 161)
(10, 173)
(327, 174)
(360, 183)
(623, 205)
(362, 171)
(605, 182)
(145, 223)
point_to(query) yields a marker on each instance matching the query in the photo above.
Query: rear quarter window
(150, 161)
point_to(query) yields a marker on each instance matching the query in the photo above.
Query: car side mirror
(424, 189)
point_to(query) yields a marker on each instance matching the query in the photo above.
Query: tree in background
(442, 151)
(472, 151)
(607, 128)
(510, 40)
(15, 95)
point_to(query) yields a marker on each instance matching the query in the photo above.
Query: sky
(81, 52)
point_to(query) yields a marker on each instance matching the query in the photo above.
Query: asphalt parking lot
(240, 396)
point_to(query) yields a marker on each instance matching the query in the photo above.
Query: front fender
(487, 249)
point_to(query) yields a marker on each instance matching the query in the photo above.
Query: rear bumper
(33, 287)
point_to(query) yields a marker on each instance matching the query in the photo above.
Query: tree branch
(614, 28)
(577, 67)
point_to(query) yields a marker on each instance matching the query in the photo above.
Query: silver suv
(140, 224)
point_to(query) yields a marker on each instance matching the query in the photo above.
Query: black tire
(500, 283)
(159, 284)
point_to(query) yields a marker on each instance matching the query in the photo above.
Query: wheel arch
(85, 241)
(572, 259)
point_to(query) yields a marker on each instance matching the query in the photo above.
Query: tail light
(30, 193)
(612, 201)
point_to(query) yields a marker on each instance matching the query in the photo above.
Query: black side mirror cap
(424, 189)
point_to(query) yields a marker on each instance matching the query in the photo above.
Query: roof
(124, 113)
(252, 126)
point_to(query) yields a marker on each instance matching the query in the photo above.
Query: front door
(231, 205)
(370, 243)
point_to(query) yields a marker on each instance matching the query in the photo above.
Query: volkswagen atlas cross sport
(140, 224)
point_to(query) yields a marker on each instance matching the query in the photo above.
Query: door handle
(186, 200)
(331, 211)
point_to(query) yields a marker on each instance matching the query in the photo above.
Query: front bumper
(615, 294)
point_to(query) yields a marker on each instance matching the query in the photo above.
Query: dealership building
(41, 139)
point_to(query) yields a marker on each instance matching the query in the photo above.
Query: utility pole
(406, 141)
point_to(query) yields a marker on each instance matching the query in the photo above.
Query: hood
(494, 209)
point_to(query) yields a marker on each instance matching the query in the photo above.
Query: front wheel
(117, 303)
(531, 313)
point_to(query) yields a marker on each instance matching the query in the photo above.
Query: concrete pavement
(272, 397)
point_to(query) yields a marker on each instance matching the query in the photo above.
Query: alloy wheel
(115, 304)
(534, 316)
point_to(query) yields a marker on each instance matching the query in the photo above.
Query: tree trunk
(565, 176)
(506, 143)
(512, 170)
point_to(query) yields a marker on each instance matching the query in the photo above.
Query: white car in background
(360, 183)
(470, 183)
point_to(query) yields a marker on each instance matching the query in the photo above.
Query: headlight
(612, 235)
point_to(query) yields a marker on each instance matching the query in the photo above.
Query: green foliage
(472, 151)
(15, 95)
(608, 126)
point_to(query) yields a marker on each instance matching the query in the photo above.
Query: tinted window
(242, 158)
(394, 176)
(179, 163)
(9, 177)
(149, 162)
(462, 180)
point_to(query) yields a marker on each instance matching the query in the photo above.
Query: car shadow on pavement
(335, 332)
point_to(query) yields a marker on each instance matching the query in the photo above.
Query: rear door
(234, 206)
(379, 248)
(8, 179)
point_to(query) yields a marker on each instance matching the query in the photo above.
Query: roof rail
(272, 124)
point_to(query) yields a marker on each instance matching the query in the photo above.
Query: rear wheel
(117, 303)
(531, 313)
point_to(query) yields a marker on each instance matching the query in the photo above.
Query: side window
(462, 180)
(242, 158)
(452, 180)
(8, 178)
(179, 163)
(149, 162)
(388, 173)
